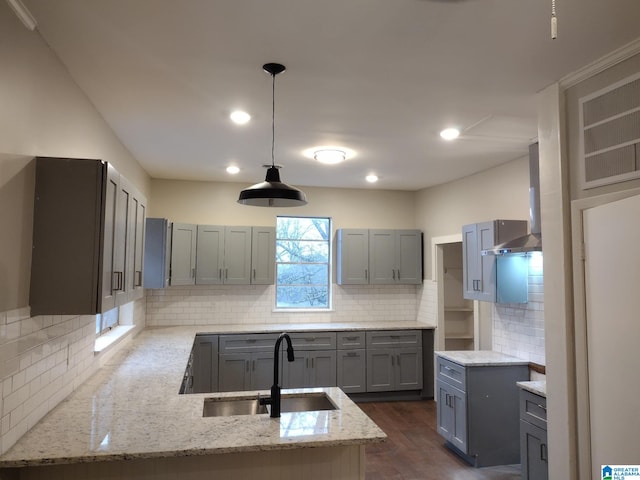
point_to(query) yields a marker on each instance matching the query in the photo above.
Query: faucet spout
(274, 401)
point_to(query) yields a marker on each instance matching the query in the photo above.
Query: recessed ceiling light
(232, 169)
(239, 117)
(330, 156)
(450, 133)
(371, 178)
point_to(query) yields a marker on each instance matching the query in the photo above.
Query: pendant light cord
(273, 119)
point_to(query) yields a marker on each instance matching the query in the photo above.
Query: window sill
(113, 336)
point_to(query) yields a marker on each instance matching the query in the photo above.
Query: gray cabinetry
(394, 360)
(204, 364)
(237, 255)
(183, 254)
(157, 253)
(82, 260)
(246, 362)
(263, 255)
(223, 255)
(351, 362)
(533, 436)
(315, 361)
(352, 256)
(382, 257)
(479, 271)
(477, 410)
(136, 233)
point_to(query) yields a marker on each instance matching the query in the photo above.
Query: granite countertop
(480, 358)
(131, 409)
(311, 327)
(539, 387)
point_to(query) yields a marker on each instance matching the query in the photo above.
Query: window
(302, 262)
(106, 320)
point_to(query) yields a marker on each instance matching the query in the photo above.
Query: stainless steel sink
(224, 407)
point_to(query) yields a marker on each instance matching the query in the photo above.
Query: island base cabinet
(338, 463)
(452, 415)
(533, 452)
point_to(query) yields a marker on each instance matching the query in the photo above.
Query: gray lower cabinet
(477, 410)
(315, 361)
(534, 455)
(245, 362)
(394, 360)
(352, 362)
(204, 365)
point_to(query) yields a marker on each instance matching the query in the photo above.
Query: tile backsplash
(518, 329)
(254, 304)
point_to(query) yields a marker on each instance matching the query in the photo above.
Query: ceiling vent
(610, 134)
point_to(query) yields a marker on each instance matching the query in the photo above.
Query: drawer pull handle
(351, 339)
(310, 339)
(351, 354)
(542, 407)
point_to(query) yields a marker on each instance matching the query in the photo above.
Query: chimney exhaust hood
(531, 242)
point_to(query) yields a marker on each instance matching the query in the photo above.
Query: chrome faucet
(274, 400)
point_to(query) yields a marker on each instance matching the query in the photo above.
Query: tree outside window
(302, 262)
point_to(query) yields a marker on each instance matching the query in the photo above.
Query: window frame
(329, 265)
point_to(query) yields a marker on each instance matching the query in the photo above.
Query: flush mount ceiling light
(272, 192)
(450, 133)
(239, 117)
(232, 169)
(330, 156)
(371, 178)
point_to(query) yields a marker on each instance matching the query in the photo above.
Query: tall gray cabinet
(88, 236)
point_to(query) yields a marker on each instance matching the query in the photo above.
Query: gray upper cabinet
(183, 254)
(263, 255)
(210, 255)
(352, 256)
(382, 257)
(237, 255)
(478, 271)
(157, 253)
(84, 256)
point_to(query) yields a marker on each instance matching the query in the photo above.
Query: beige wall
(497, 193)
(216, 203)
(43, 113)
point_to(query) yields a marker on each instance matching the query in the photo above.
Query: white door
(612, 293)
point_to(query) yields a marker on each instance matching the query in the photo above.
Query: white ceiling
(381, 77)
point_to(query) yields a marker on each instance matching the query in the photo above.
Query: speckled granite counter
(539, 387)
(131, 409)
(480, 358)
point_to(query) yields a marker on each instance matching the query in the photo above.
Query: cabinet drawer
(313, 340)
(348, 340)
(247, 343)
(533, 408)
(394, 338)
(451, 373)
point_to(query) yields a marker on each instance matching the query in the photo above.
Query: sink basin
(224, 407)
(306, 403)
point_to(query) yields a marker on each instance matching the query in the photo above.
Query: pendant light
(272, 192)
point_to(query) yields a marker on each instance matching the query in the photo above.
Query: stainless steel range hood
(531, 242)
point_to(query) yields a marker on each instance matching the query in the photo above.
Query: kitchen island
(129, 421)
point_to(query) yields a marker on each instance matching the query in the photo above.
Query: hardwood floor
(414, 450)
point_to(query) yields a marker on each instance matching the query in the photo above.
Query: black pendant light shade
(272, 192)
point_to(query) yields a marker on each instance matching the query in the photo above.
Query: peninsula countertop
(130, 408)
(480, 358)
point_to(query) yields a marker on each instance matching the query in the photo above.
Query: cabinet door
(263, 255)
(123, 284)
(157, 253)
(322, 371)
(444, 412)
(183, 254)
(379, 370)
(237, 255)
(452, 415)
(209, 255)
(382, 258)
(351, 370)
(205, 364)
(296, 374)
(470, 260)
(234, 372)
(486, 263)
(408, 368)
(352, 257)
(533, 452)
(409, 257)
(139, 209)
(261, 370)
